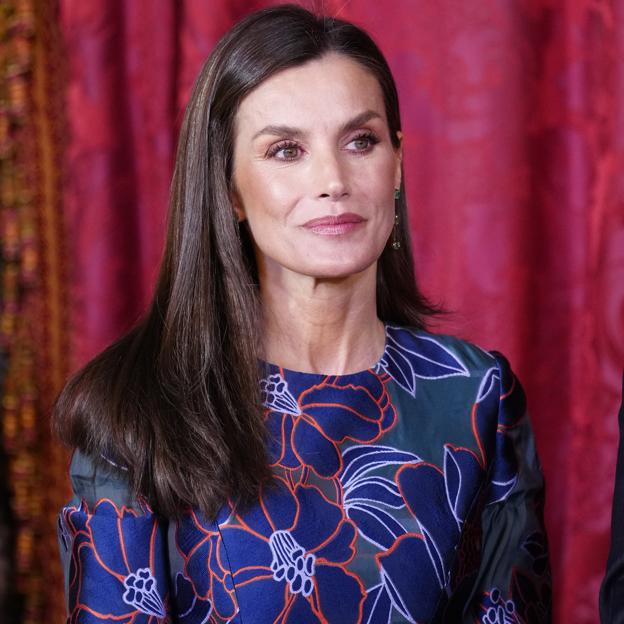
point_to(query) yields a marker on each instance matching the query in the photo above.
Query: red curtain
(513, 114)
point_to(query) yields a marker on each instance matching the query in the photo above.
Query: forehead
(324, 90)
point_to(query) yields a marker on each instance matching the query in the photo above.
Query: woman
(280, 440)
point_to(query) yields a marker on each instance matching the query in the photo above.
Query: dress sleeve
(513, 582)
(113, 550)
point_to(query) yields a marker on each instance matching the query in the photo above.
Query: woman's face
(314, 169)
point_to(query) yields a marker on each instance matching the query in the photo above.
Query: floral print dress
(408, 492)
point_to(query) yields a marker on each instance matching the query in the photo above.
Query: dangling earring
(396, 243)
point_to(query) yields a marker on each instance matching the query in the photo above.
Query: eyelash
(273, 151)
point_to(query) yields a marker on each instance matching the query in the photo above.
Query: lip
(334, 225)
(345, 217)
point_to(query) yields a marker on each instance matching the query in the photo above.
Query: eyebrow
(296, 133)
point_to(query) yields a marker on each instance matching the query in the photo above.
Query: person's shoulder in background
(612, 589)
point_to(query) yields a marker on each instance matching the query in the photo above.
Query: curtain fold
(33, 319)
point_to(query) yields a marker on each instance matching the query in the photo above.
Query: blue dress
(408, 492)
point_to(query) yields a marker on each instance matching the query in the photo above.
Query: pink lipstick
(334, 225)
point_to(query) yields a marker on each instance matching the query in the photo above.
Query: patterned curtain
(513, 115)
(33, 332)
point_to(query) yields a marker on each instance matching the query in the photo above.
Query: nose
(330, 177)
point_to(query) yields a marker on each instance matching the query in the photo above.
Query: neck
(321, 326)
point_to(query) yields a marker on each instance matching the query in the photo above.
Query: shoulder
(444, 352)
(466, 394)
(441, 364)
(96, 480)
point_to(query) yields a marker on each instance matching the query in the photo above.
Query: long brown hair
(176, 400)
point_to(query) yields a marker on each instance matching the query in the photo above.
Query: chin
(340, 269)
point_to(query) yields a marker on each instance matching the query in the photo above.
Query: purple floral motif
(142, 593)
(504, 471)
(117, 569)
(326, 415)
(377, 606)
(532, 596)
(440, 501)
(409, 579)
(367, 498)
(276, 396)
(498, 610)
(498, 398)
(529, 602)
(292, 563)
(536, 546)
(404, 563)
(288, 558)
(339, 487)
(190, 608)
(410, 356)
(197, 540)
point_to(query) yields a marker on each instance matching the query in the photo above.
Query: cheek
(377, 191)
(381, 197)
(267, 213)
(377, 178)
(268, 204)
(266, 197)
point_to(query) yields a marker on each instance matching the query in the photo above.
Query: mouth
(334, 225)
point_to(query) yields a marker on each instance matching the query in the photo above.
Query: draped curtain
(513, 116)
(33, 328)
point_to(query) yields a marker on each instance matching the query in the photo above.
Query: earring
(396, 242)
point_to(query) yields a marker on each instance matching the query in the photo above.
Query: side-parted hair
(176, 400)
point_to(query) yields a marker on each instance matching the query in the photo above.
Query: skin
(313, 141)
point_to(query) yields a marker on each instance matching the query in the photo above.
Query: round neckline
(292, 372)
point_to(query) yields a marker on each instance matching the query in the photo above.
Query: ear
(237, 205)
(399, 160)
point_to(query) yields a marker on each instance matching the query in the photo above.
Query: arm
(513, 581)
(113, 550)
(612, 590)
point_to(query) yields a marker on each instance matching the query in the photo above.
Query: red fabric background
(513, 114)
